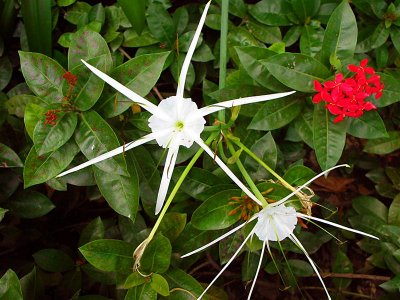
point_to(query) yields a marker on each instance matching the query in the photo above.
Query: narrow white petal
(166, 177)
(306, 217)
(111, 153)
(298, 244)
(307, 183)
(220, 238)
(258, 270)
(226, 266)
(123, 89)
(227, 170)
(242, 101)
(188, 58)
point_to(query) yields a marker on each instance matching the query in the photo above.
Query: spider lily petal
(247, 100)
(258, 270)
(188, 58)
(166, 177)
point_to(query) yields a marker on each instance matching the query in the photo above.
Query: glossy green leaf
(369, 126)
(251, 59)
(132, 39)
(304, 126)
(88, 45)
(78, 14)
(342, 264)
(8, 158)
(292, 35)
(305, 9)
(391, 92)
(249, 265)
(132, 280)
(272, 12)
(228, 246)
(297, 71)
(49, 138)
(30, 204)
(264, 33)
(2, 213)
(135, 12)
(276, 113)
(43, 75)
(159, 284)
(395, 37)
(394, 211)
(374, 39)
(18, 104)
(39, 169)
(181, 19)
(53, 260)
(185, 283)
(109, 255)
(139, 74)
(6, 72)
(384, 145)
(298, 175)
(266, 149)
(64, 3)
(367, 205)
(172, 225)
(340, 35)
(141, 292)
(311, 40)
(121, 192)
(161, 24)
(214, 212)
(10, 287)
(329, 138)
(392, 285)
(95, 137)
(157, 255)
(92, 231)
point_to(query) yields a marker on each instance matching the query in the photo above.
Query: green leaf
(132, 39)
(176, 68)
(135, 12)
(276, 113)
(297, 71)
(264, 33)
(384, 146)
(186, 285)
(305, 9)
(159, 284)
(369, 126)
(300, 267)
(18, 103)
(43, 75)
(172, 225)
(64, 3)
(251, 59)
(311, 40)
(214, 212)
(266, 149)
(392, 285)
(394, 211)
(53, 260)
(88, 45)
(298, 175)
(10, 287)
(391, 92)
(78, 14)
(157, 255)
(134, 279)
(329, 138)
(109, 255)
(141, 292)
(95, 137)
(33, 114)
(340, 35)
(342, 264)
(181, 19)
(272, 12)
(139, 74)
(6, 72)
(304, 126)
(161, 24)
(8, 158)
(367, 205)
(2, 213)
(249, 265)
(38, 24)
(121, 192)
(92, 231)
(30, 204)
(39, 169)
(395, 37)
(49, 138)
(32, 286)
(374, 39)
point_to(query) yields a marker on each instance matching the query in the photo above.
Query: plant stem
(223, 51)
(176, 188)
(246, 176)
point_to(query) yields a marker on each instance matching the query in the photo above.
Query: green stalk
(262, 163)
(176, 188)
(247, 177)
(223, 51)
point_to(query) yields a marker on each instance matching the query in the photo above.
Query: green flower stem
(223, 50)
(177, 186)
(246, 176)
(257, 159)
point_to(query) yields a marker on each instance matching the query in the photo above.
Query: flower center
(179, 125)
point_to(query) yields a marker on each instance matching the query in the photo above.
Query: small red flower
(51, 117)
(346, 97)
(70, 78)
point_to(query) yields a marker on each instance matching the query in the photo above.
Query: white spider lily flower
(276, 222)
(175, 122)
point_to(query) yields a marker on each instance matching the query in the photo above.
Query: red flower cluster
(51, 117)
(346, 97)
(71, 78)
